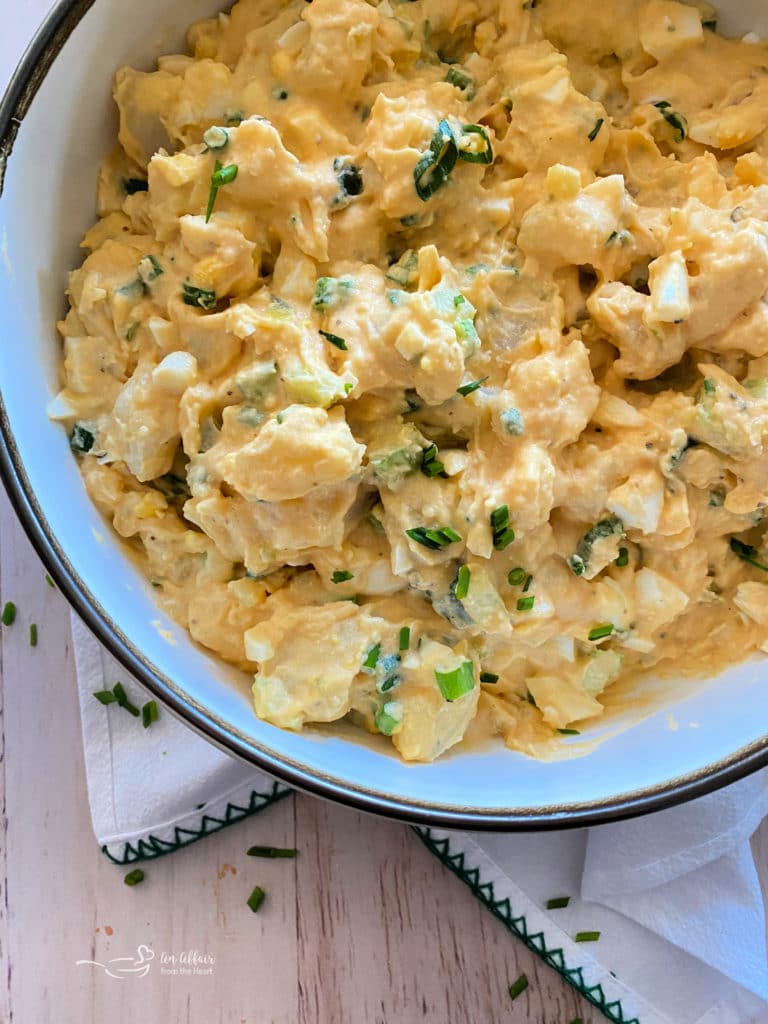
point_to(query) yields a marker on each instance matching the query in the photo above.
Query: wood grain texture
(364, 927)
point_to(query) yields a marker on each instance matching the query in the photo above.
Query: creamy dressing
(421, 354)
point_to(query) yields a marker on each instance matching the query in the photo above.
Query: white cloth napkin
(675, 896)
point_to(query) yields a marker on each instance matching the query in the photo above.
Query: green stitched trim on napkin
(152, 847)
(535, 941)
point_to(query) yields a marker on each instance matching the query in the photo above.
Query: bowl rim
(37, 60)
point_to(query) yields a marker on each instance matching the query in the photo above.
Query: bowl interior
(46, 205)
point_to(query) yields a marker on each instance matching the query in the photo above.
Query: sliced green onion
(122, 699)
(459, 78)
(467, 145)
(335, 340)
(149, 269)
(458, 682)
(488, 677)
(204, 298)
(49, 581)
(623, 558)
(216, 138)
(105, 697)
(516, 576)
(503, 534)
(600, 632)
(405, 638)
(221, 176)
(134, 877)
(527, 584)
(81, 439)
(434, 167)
(518, 987)
(586, 936)
(9, 613)
(673, 119)
(525, 604)
(271, 851)
(33, 635)
(433, 538)
(389, 718)
(595, 131)
(569, 732)
(372, 656)
(558, 902)
(430, 464)
(256, 898)
(341, 576)
(462, 582)
(149, 713)
(746, 553)
(467, 389)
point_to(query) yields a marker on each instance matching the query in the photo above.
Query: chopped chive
(673, 119)
(33, 635)
(271, 851)
(462, 582)
(623, 558)
(256, 898)
(49, 581)
(595, 131)
(105, 697)
(433, 539)
(746, 553)
(458, 682)
(527, 584)
(500, 518)
(525, 604)
(461, 80)
(149, 713)
(467, 149)
(558, 902)
(134, 877)
(434, 167)
(600, 632)
(205, 298)
(467, 389)
(709, 386)
(122, 699)
(405, 638)
(341, 576)
(586, 936)
(518, 987)
(221, 176)
(81, 439)
(569, 732)
(389, 718)
(335, 340)
(9, 613)
(488, 677)
(430, 464)
(516, 576)
(372, 656)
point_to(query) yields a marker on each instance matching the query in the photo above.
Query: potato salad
(420, 352)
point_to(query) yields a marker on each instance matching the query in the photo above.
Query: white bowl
(56, 122)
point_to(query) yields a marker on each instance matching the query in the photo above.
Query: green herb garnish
(372, 656)
(221, 176)
(673, 119)
(50, 582)
(518, 987)
(105, 697)
(503, 534)
(122, 699)
(596, 130)
(600, 632)
(525, 604)
(271, 851)
(747, 553)
(709, 386)
(204, 298)
(33, 635)
(256, 898)
(335, 340)
(470, 150)
(430, 464)
(467, 389)
(389, 718)
(332, 291)
(586, 936)
(216, 138)
(569, 732)
(462, 80)
(623, 558)
(434, 538)
(81, 439)
(9, 613)
(558, 902)
(434, 167)
(134, 877)
(149, 713)
(488, 677)
(516, 576)
(405, 638)
(341, 576)
(462, 582)
(456, 683)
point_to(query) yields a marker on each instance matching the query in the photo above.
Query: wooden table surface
(364, 927)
